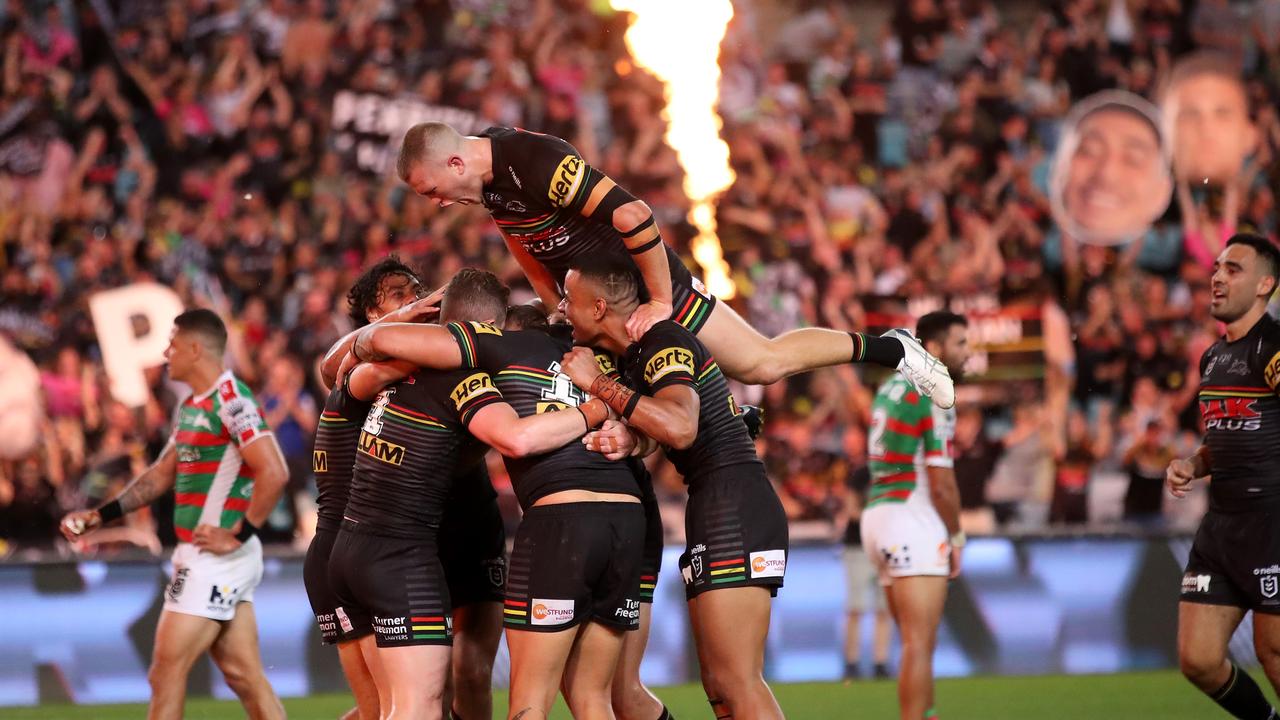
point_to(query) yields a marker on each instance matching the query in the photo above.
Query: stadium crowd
(194, 144)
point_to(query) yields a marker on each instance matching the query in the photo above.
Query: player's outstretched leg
(237, 655)
(477, 630)
(1204, 631)
(180, 640)
(588, 673)
(631, 699)
(746, 355)
(917, 604)
(731, 627)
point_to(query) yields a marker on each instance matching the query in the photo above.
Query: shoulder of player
(233, 394)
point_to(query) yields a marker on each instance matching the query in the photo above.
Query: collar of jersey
(226, 375)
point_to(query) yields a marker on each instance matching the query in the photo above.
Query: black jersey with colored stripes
(670, 355)
(541, 195)
(1240, 404)
(333, 458)
(409, 447)
(525, 367)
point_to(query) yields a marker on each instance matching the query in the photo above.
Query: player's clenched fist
(581, 367)
(78, 524)
(1179, 475)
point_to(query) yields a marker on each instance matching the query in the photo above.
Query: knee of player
(1199, 665)
(238, 675)
(475, 676)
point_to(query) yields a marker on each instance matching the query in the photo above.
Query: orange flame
(679, 42)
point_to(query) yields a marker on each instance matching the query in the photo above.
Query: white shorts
(210, 585)
(863, 591)
(906, 540)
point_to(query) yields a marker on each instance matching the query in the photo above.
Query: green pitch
(1163, 695)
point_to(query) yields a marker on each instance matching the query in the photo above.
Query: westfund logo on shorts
(770, 563)
(551, 612)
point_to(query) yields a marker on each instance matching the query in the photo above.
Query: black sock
(850, 670)
(1242, 697)
(666, 714)
(886, 351)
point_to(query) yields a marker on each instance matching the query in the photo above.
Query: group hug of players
(624, 354)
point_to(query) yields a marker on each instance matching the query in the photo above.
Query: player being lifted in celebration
(1234, 566)
(228, 473)
(565, 613)
(552, 207)
(672, 390)
(911, 524)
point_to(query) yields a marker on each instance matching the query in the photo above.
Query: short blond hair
(425, 142)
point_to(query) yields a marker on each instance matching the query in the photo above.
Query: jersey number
(373, 422)
(875, 439)
(562, 390)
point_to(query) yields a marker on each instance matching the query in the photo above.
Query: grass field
(1163, 695)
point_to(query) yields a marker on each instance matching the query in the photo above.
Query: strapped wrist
(247, 530)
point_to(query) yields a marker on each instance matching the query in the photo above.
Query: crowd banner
(368, 127)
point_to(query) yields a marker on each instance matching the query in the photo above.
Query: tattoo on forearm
(140, 493)
(525, 712)
(616, 395)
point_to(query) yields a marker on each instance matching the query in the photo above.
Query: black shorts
(576, 562)
(1235, 560)
(735, 532)
(315, 576)
(691, 304)
(473, 544)
(651, 558)
(390, 584)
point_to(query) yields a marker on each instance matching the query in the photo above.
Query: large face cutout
(1110, 179)
(1206, 117)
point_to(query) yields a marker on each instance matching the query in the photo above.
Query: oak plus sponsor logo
(551, 612)
(769, 563)
(1237, 413)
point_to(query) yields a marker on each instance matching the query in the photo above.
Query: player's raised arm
(142, 491)
(366, 380)
(419, 310)
(429, 346)
(606, 202)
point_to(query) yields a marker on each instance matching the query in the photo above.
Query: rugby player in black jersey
(384, 567)
(552, 207)
(735, 528)
(1234, 566)
(472, 538)
(573, 584)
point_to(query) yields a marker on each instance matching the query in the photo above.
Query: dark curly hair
(365, 293)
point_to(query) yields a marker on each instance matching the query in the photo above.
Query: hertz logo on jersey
(1272, 373)
(319, 461)
(485, 328)
(475, 385)
(379, 449)
(605, 363)
(672, 359)
(565, 181)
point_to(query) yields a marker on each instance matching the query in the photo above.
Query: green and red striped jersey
(908, 433)
(214, 484)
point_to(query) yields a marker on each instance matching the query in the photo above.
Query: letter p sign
(125, 352)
